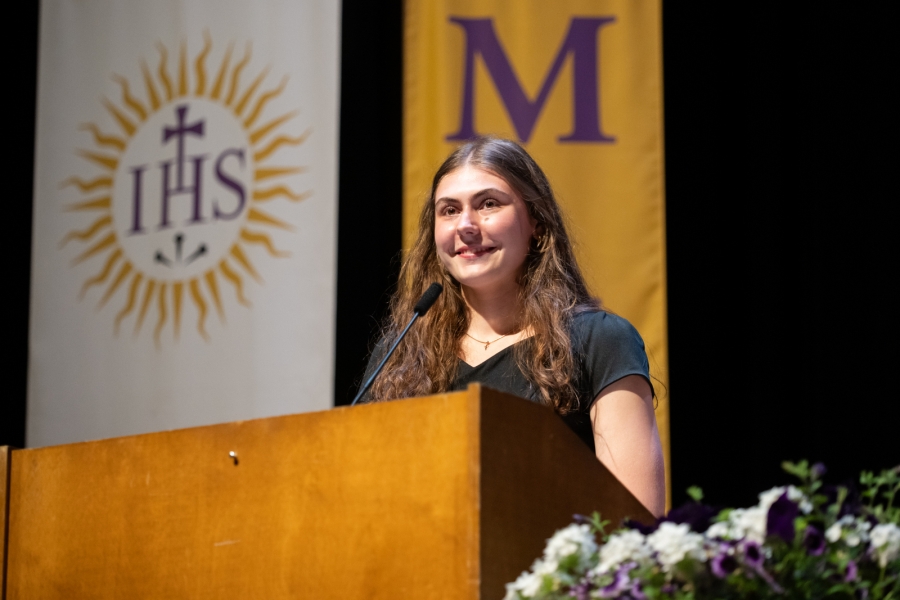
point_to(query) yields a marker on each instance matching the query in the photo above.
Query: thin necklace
(486, 344)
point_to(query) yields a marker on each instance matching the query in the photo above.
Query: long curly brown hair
(552, 290)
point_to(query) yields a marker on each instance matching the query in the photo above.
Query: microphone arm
(422, 306)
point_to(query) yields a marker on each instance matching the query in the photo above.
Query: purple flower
(636, 592)
(814, 540)
(697, 516)
(581, 519)
(645, 529)
(581, 591)
(620, 583)
(780, 520)
(723, 565)
(852, 571)
(753, 558)
(818, 470)
(753, 555)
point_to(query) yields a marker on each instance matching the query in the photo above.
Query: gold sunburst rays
(89, 185)
(171, 80)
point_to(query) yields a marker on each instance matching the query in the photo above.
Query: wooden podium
(443, 497)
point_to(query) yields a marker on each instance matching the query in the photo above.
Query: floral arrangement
(806, 541)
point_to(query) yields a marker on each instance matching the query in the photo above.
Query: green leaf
(695, 493)
(599, 525)
(800, 469)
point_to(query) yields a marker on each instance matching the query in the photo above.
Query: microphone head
(428, 298)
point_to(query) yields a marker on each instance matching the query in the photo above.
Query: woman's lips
(474, 251)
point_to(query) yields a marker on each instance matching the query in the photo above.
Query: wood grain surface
(536, 474)
(4, 514)
(378, 501)
(445, 497)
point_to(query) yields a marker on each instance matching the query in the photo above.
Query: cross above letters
(180, 131)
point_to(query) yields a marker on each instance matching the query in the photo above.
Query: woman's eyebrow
(479, 194)
(490, 192)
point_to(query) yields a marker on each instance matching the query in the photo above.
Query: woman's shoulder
(608, 348)
(600, 326)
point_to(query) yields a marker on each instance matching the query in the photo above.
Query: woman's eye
(490, 203)
(449, 211)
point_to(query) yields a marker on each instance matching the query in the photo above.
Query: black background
(780, 136)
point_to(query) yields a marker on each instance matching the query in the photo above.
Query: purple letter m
(580, 41)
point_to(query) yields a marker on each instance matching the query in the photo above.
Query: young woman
(517, 316)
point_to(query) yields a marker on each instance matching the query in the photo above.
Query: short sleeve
(608, 348)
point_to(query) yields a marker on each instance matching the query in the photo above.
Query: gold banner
(579, 84)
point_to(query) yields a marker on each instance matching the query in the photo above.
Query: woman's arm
(627, 440)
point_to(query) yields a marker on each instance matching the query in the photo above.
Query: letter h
(179, 132)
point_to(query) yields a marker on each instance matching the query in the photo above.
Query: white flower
(768, 498)
(622, 547)
(749, 523)
(545, 567)
(859, 534)
(854, 531)
(527, 585)
(886, 542)
(673, 543)
(742, 523)
(719, 530)
(833, 533)
(574, 539)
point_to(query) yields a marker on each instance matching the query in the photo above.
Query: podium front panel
(444, 497)
(378, 501)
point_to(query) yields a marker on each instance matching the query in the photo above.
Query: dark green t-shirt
(607, 348)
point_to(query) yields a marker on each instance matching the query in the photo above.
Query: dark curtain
(779, 182)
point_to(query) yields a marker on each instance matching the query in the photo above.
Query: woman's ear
(539, 238)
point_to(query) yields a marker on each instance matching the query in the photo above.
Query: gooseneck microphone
(421, 307)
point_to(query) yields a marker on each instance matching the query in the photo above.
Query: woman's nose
(466, 224)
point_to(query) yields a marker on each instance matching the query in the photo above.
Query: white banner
(183, 267)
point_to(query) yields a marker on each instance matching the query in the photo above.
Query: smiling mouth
(474, 251)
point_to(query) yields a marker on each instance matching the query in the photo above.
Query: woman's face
(482, 228)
